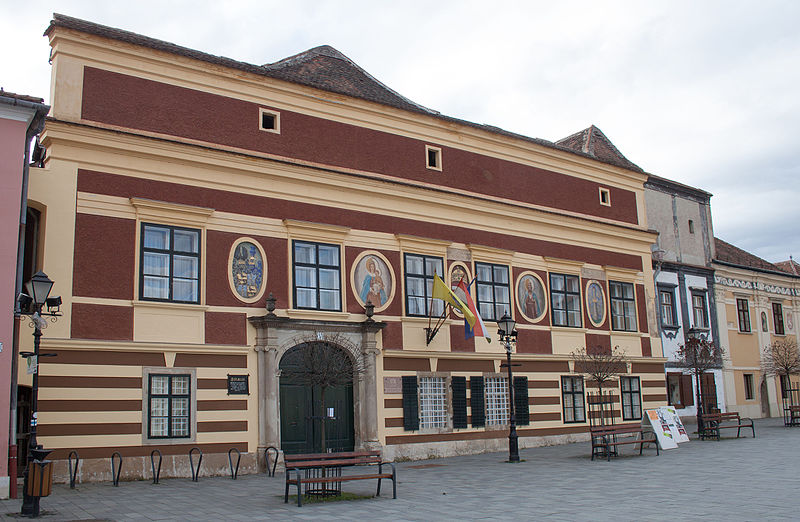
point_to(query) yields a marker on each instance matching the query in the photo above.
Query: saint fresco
(530, 297)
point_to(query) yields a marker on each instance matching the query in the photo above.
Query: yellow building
(181, 190)
(758, 303)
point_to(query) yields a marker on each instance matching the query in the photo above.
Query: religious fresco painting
(373, 281)
(531, 297)
(247, 270)
(596, 303)
(459, 272)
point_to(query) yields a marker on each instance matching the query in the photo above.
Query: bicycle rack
(156, 471)
(195, 472)
(115, 471)
(271, 473)
(234, 472)
(73, 472)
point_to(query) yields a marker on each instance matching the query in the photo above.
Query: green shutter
(476, 402)
(522, 415)
(410, 403)
(459, 386)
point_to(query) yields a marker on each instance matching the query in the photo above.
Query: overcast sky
(704, 93)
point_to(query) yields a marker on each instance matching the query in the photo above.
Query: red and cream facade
(147, 138)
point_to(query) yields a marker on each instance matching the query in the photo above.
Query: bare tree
(323, 364)
(781, 358)
(601, 365)
(698, 355)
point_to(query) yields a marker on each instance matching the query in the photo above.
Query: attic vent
(269, 121)
(433, 157)
(605, 197)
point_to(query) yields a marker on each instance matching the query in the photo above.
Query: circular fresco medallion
(531, 298)
(372, 279)
(459, 272)
(596, 303)
(247, 270)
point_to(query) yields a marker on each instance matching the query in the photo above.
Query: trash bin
(40, 482)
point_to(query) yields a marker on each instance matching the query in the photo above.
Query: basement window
(433, 157)
(605, 197)
(269, 121)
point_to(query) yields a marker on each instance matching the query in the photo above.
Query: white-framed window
(605, 197)
(433, 402)
(269, 121)
(496, 389)
(433, 157)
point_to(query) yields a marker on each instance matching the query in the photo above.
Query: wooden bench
(713, 422)
(605, 439)
(326, 468)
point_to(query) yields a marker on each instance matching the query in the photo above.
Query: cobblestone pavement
(733, 479)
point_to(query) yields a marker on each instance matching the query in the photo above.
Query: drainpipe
(34, 128)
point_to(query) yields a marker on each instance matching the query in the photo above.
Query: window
(317, 276)
(777, 318)
(605, 197)
(623, 307)
(572, 397)
(691, 226)
(432, 402)
(493, 291)
(743, 310)
(666, 300)
(419, 285)
(269, 120)
(496, 401)
(170, 264)
(631, 398)
(699, 311)
(749, 394)
(565, 300)
(764, 327)
(680, 392)
(168, 413)
(433, 157)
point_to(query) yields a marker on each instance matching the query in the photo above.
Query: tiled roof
(22, 97)
(728, 253)
(593, 142)
(327, 69)
(791, 266)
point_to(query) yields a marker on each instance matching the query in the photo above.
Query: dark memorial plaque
(238, 385)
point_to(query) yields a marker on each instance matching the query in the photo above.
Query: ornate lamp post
(508, 335)
(31, 304)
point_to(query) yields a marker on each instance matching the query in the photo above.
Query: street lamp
(508, 335)
(31, 304)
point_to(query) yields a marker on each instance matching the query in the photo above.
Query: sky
(703, 93)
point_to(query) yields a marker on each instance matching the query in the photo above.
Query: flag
(443, 292)
(475, 327)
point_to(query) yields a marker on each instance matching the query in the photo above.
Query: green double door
(303, 417)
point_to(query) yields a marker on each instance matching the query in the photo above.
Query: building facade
(758, 303)
(685, 286)
(217, 221)
(21, 118)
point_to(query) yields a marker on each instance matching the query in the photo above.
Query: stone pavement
(734, 479)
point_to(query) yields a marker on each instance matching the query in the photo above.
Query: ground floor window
(169, 411)
(631, 398)
(679, 390)
(496, 400)
(572, 398)
(432, 402)
(749, 391)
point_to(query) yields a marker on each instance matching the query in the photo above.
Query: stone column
(271, 384)
(369, 417)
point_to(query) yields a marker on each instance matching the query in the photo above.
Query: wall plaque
(238, 385)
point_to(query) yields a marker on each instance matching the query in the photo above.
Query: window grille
(432, 402)
(496, 400)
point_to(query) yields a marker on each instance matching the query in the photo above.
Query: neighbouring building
(757, 303)
(685, 286)
(21, 119)
(208, 220)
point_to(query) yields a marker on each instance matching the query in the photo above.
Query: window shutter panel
(521, 413)
(476, 402)
(459, 386)
(687, 395)
(410, 403)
